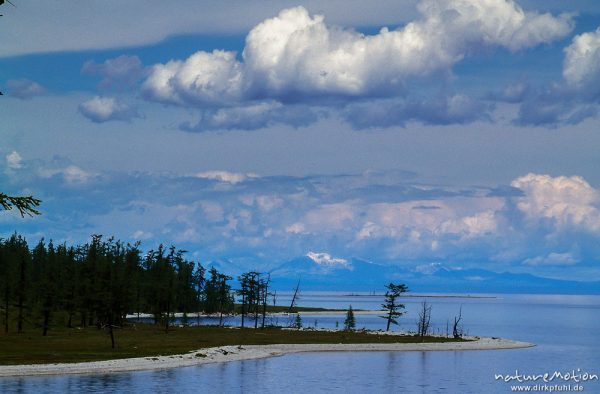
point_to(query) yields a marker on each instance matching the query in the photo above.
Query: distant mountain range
(319, 271)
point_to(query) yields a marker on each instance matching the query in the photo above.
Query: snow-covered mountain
(321, 271)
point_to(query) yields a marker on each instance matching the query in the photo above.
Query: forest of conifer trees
(100, 282)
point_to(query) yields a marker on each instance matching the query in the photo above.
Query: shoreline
(133, 317)
(246, 352)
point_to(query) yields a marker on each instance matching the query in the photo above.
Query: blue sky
(405, 133)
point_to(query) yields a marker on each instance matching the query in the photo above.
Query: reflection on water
(565, 329)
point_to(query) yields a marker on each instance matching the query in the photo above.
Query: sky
(459, 133)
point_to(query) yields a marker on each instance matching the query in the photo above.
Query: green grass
(91, 344)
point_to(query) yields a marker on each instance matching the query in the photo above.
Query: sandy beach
(237, 353)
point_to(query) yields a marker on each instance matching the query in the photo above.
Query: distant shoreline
(421, 296)
(246, 352)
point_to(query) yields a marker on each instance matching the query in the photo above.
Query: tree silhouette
(391, 304)
(350, 321)
(26, 205)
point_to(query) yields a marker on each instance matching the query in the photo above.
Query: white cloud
(581, 68)
(420, 221)
(204, 77)
(477, 225)
(225, 176)
(14, 160)
(141, 235)
(71, 174)
(295, 54)
(265, 203)
(296, 228)
(560, 259)
(120, 72)
(252, 117)
(24, 88)
(118, 24)
(453, 109)
(326, 218)
(326, 259)
(279, 218)
(567, 201)
(104, 109)
(213, 211)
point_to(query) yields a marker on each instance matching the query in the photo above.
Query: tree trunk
(110, 331)
(6, 312)
(243, 309)
(220, 312)
(46, 322)
(168, 317)
(21, 297)
(112, 336)
(256, 314)
(389, 320)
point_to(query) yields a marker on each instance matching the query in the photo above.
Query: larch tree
(391, 305)
(350, 321)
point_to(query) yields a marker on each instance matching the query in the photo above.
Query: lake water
(564, 328)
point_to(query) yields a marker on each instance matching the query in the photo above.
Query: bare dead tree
(457, 330)
(294, 298)
(265, 295)
(423, 323)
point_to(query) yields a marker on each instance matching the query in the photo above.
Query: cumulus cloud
(581, 67)
(296, 54)
(552, 222)
(456, 109)
(576, 97)
(480, 224)
(24, 89)
(581, 59)
(296, 57)
(104, 109)
(14, 160)
(252, 117)
(428, 221)
(203, 78)
(120, 72)
(568, 202)
(225, 176)
(326, 218)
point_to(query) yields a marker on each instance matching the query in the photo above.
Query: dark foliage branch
(26, 205)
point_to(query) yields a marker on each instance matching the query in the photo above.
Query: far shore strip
(245, 352)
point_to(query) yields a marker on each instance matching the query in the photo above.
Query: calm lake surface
(566, 330)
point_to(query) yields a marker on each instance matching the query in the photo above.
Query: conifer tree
(391, 305)
(349, 322)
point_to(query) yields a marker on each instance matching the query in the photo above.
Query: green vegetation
(391, 305)
(99, 283)
(91, 344)
(26, 205)
(350, 321)
(70, 303)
